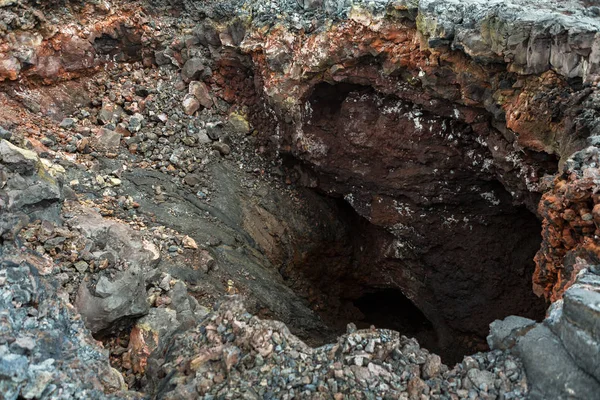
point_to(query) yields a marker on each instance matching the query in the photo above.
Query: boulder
(18, 160)
(190, 104)
(106, 141)
(112, 301)
(24, 182)
(123, 295)
(504, 333)
(579, 328)
(202, 93)
(551, 372)
(193, 69)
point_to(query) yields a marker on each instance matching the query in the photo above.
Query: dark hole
(390, 309)
(464, 254)
(105, 44)
(327, 99)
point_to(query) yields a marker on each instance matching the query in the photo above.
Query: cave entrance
(391, 309)
(434, 246)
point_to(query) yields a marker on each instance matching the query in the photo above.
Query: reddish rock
(9, 68)
(202, 93)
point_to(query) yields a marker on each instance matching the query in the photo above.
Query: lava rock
(505, 333)
(106, 141)
(202, 93)
(190, 104)
(194, 69)
(551, 371)
(112, 301)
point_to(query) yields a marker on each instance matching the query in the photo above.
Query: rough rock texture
(430, 130)
(123, 293)
(560, 355)
(233, 354)
(571, 224)
(45, 352)
(26, 189)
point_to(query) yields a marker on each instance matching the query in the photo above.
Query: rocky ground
(171, 175)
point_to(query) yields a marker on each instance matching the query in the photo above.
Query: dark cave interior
(453, 277)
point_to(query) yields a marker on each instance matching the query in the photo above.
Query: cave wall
(513, 118)
(444, 134)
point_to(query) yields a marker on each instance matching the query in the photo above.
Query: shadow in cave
(461, 246)
(391, 309)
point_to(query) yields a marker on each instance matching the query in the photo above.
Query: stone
(190, 104)
(579, 328)
(106, 141)
(189, 243)
(551, 372)
(123, 298)
(27, 187)
(18, 160)
(202, 93)
(432, 366)
(222, 148)
(5, 134)
(109, 113)
(51, 352)
(10, 68)
(148, 333)
(135, 122)
(238, 124)
(81, 266)
(114, 181)
(68, 123)
(193, 69)
(483, 380)
(192, 179)
(505, 333)
(582, 308)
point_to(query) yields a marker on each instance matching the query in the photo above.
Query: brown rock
(9, 68)
(190, 104)
(202, 93)
(106, 141)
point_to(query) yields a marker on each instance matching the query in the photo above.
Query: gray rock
(533, 36)
(25, 182)
(432, 366)
(124, 294)
(483, 380)
(68, 123)
(135, 122)
(16, 159)
(160, 320)
(53, 356)
(5, 134)
(109, 113)
(504, 333)
(582, 308)
(551, 372)
(222, 148)
(579, 328)
(81, 266)
(194, 69)
(124, 297)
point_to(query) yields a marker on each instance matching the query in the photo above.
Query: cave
(391, 309)
(435, 245)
